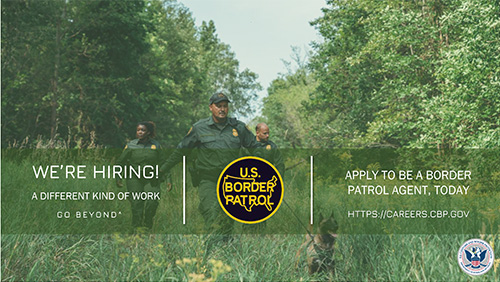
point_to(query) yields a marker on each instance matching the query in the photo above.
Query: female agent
(140, 152)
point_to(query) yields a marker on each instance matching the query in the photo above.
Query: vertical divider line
(312, 194)
(184, 190)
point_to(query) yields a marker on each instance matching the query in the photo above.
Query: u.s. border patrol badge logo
(250, 190)
(153, 147)
(268, 147)
(235, 132)
(475, 257)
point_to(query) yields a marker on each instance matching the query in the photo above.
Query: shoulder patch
(235, 132)
(153, 147)
(268, 147)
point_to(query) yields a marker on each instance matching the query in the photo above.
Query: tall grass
(160, 257)
(246, 258)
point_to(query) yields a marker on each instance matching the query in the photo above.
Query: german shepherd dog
(320, 246)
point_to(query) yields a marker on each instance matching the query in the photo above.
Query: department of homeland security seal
(250, 190)
(475, 257)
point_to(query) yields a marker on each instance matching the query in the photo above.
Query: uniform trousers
(216, 221)
(143, 211)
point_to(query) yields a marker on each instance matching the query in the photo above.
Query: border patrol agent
(267, 149)
(140, 152)
(218, 140)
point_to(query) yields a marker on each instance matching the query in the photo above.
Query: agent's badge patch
(153, 147)
(235, 132)
(268, 147)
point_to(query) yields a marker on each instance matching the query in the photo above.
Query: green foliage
(222, 69)
(415, 73)
(284, 111)
(72, 69)
(291, 123)
(174, 69)
(346, 75)
(468, 114)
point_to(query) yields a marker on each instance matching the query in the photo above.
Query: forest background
(391, 73)
(398, 74)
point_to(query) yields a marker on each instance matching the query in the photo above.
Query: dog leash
(318, 251)
(298, 219)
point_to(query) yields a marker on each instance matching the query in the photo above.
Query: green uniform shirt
(140, 153)
(270, 152)
(217, 144)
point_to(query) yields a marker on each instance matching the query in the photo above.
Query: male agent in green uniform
(267, 149)
(218, 139)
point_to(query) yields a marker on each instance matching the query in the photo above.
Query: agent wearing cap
(218, 139)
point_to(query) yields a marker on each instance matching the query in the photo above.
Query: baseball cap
(218, 97)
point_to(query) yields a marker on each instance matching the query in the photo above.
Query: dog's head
(327, 225)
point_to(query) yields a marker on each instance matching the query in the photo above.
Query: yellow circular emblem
(268, 147)
(153, 147)
(235, 132)
(250, 190)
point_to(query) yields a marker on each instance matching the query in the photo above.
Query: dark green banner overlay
(368, 191)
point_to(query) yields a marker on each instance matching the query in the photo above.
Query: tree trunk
(55, 80)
